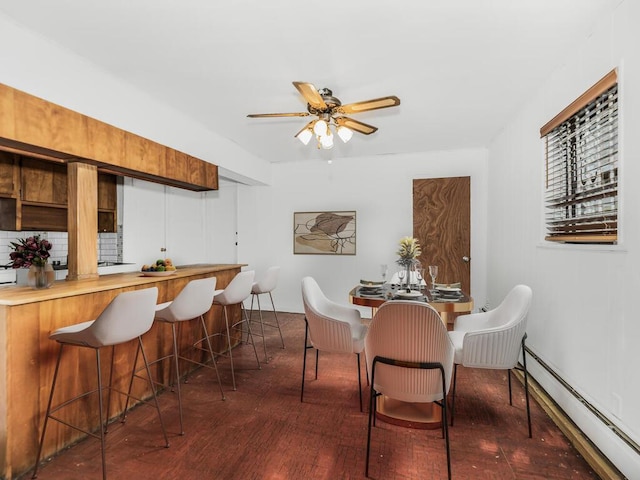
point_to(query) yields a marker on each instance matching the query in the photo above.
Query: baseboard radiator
(604, 467)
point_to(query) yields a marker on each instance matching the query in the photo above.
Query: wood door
(441, 222)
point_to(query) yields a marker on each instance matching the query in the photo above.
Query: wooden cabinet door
(8, 177)
(107, 197)
(107, 202)
(43, 182)
(441, 222)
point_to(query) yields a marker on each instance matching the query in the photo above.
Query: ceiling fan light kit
(327, 108)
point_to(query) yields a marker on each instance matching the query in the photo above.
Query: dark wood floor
(262, 431)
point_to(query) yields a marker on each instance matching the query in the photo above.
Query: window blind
(582, 169)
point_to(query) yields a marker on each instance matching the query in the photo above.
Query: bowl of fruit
(160, 268)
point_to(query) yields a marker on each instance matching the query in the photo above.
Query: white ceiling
(460, 67)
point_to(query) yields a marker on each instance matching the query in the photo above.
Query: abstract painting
(324, 233)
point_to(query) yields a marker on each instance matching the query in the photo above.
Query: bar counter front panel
(27, 356)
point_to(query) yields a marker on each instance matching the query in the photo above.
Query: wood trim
(604, 84)
(36, 127)
(582, 238)
(600, 464)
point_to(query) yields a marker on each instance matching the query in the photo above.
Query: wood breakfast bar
(27, 355)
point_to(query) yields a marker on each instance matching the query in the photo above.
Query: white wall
(584, 320)
(39, 67)
(379, 189)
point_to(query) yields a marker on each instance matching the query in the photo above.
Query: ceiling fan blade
(311, 95)
(384, 102)
(355, 125)
(270, 115)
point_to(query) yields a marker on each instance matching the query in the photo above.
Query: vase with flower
(33, 253)
(408, 254)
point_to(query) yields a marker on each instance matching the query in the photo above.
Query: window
(581, 153)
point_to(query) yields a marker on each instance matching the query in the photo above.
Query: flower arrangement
(408, 252)
(30, 251)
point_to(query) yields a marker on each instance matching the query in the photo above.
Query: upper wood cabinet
(43, 182)
(33, 195)
(33, 126)
(8, 182)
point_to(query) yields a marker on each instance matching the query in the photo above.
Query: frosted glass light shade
(304, 136)
(320, 128)
(327, 141)
(345, 134)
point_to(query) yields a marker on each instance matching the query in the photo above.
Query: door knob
(466, 259)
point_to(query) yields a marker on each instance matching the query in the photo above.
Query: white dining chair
(494, 340)
(330, 327)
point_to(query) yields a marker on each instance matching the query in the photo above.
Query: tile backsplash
(109, 245)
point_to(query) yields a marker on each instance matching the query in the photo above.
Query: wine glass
(383, 271)
(419, 276)
(401, 274)
(433, 272)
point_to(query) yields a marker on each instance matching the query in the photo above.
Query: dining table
(449, 302)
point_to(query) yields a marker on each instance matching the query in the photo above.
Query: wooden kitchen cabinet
(43, 182)
(33, 195)
(8, 180)
(107, 202)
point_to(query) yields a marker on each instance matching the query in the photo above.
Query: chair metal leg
(526, 383)
(123, 417)
(46, 417)
(444, 421)
(153, 391)
(373, 399)
(226, 321)
(103, 451)
(304, 356)
(359, 381)
(276, 317)
(317, 361)
(453, 394)
(113, 355)
(213, 357)
(250, 335)
(264, 340)
(177, 369)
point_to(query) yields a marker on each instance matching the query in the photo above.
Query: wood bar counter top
(27, 356)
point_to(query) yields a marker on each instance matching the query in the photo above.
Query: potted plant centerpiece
(33, 253)
(408, 254)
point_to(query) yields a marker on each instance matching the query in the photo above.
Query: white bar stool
(235, 293)
(266, 284)
(127, 317)
(193, 301)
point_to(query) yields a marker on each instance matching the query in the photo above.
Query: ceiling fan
(330, 113)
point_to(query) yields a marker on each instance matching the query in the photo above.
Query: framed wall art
(324, 233)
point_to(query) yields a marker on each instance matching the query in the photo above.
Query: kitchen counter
(19, 294)
(27, 356)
